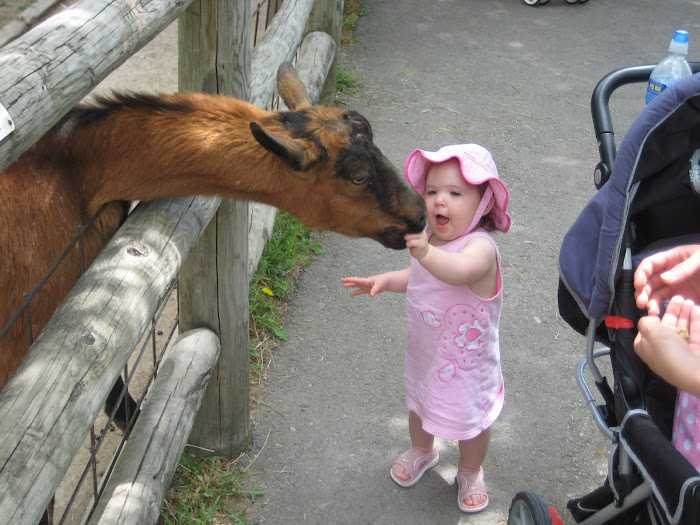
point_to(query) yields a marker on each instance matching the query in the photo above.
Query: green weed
(352, 10)
(344, 83)
(206, 490)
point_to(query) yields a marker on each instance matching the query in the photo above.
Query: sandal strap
(471, 483)
(413, 460)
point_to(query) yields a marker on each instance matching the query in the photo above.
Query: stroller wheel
(571, 1)
(542, 2)
(531, 2)
(528, 508)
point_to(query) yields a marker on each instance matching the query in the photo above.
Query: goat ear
(284, 147)
(290, 87)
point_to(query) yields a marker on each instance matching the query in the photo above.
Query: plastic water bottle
(672, 68)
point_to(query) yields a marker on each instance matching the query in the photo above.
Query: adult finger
(694, 326)
(684, 315)
(673, 312)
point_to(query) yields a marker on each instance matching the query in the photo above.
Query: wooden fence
(47, 408)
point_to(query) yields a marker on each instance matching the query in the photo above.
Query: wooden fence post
(327, 16)
(215, 56)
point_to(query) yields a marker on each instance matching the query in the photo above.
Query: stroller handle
(600, 112)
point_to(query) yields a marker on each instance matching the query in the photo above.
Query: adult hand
(663, 275)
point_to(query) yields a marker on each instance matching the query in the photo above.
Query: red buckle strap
(616, 322)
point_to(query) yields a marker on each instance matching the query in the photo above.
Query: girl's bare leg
(472, 453)
(419, 439)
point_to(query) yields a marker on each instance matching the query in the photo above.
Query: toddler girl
(454, 387)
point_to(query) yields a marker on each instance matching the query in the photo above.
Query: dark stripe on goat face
(304, 126)
(362, 159)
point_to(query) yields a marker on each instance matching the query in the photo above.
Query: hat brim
(475, 171)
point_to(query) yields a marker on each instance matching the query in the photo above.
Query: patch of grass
(290, 248)
(207, 490)
(352, 10)
(344, 83)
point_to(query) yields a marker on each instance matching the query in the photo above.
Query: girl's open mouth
(441, 220)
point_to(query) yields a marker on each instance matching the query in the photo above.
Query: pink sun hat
(477, 167)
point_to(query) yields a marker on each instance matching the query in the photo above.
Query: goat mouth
(392, 237)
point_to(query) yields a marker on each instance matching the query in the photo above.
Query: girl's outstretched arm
(383, 282)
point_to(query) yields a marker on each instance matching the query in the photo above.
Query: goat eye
(360, 180)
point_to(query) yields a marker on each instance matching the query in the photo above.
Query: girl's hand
(417, 243)
(366, 285)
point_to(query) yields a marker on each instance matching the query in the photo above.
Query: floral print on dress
(431, 320)
(447, 372)
(466, 331)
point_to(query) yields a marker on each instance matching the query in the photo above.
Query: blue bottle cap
(681, 36)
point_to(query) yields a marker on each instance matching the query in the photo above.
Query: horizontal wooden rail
(48, 70)
(135, 490)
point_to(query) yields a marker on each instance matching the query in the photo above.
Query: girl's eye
(456, 194)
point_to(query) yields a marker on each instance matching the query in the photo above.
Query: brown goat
(318, 163)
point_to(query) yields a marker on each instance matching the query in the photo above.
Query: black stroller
(649, 201)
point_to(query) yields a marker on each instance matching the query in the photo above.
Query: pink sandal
(471, 483)
(415, 462)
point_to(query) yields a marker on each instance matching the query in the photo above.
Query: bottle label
(653, 89)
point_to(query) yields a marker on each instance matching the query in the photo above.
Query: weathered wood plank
(279, 43)
(48, 70)
(327, 16)
(137, 486)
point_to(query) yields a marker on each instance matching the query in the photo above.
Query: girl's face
(451, 201)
